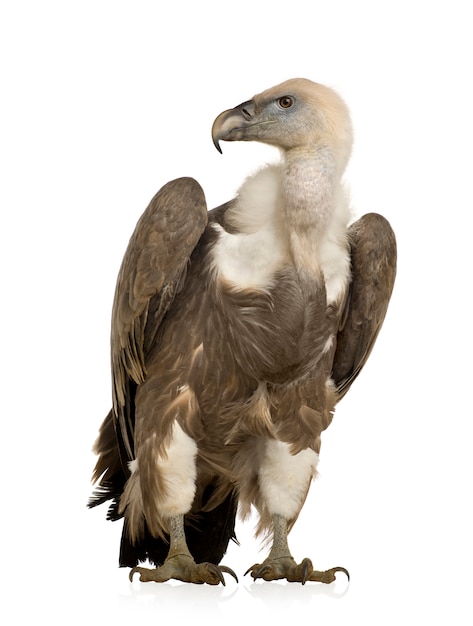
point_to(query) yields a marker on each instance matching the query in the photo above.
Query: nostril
(247, 109)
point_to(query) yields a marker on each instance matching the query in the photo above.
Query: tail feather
(109, 473)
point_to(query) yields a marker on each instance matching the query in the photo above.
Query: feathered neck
(296, 212)
(309, 185)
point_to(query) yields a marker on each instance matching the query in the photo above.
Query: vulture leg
(179, 563)
(281, 564)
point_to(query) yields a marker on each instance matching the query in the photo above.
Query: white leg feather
(284, 478)
(178, 470)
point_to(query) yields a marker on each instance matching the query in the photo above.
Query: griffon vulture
(235, 332)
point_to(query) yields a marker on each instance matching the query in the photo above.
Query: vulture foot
(286, 567)
(183, 567)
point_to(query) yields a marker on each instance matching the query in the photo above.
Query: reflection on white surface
(277, 599)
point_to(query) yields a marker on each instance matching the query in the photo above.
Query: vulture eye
(286, 102)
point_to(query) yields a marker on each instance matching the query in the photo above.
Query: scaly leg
(284, 480)
(179, 563)
(280, 563)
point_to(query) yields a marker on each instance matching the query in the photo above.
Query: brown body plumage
(233, 337)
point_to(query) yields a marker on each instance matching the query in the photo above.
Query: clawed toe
(328, 576)
(184, 568)
(227, 570)
(306, 570)
(280, 568)
(271, 568)
(145, 574)
(213, 574)
(257, 570)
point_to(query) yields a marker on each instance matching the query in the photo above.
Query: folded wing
(373, 259)
(152, 272)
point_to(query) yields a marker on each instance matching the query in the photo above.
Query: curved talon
(262, 570)
(132, 572)
(249, 570)
(307, 570)
(220, 575)
(228, 570)
(341, 569)
(328, 576)
(215, 570)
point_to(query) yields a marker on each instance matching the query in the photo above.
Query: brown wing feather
(152, 271)
(373, 258)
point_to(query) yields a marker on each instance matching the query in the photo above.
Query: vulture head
(295, 115)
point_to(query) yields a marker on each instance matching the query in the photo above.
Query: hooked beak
(231, 125)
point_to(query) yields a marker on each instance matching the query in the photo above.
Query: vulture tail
(109, 472)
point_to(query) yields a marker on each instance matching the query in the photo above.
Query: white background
(101, 104)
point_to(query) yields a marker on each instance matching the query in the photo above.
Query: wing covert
(151, 273)
(373, 259)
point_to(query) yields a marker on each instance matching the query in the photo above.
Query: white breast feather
(250, 258)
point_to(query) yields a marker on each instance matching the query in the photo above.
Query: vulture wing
(152, 272)
(373, 258)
